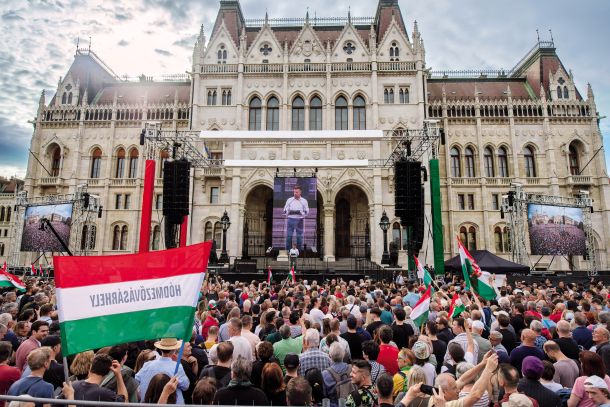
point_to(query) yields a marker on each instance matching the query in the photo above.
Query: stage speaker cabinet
(176, 183)
(408, 195)
(417, 231)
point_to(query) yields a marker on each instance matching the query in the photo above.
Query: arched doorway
(258, 221)
(352, 230)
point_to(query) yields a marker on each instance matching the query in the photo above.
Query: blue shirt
(411, 299)
(33, 386)
(162, 365)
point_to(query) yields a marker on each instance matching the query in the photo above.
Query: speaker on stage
(176, 183)
(408, 195)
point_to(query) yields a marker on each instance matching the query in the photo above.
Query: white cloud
(8, 171)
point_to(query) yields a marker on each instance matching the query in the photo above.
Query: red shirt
(535, 314)
(388, 358)
(556, 317)
(8, 376)
(209, 321)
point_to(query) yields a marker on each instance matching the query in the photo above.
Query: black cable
(589, 162)
(41, 164)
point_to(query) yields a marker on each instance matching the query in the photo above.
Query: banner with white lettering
(109, 300)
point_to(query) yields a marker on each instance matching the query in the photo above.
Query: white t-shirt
(242, 347)
(317, 316)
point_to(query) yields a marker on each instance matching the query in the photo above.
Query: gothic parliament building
(529, 125)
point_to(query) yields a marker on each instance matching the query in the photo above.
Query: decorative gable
(395, 41)
(561, 85)
(349, 45)
(221, 48)
(265, 47)
(307, 46)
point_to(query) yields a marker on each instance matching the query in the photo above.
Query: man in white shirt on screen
(296, 209)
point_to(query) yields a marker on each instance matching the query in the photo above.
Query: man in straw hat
(168, 348)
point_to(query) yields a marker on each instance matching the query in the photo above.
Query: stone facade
(529, 125)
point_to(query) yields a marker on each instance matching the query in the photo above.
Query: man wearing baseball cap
(597, 389)
(484, 345)
(291, 364)
(210, 320)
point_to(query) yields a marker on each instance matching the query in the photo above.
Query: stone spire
(41, 101)
(266, 18)
(85, 100)
(590, 96)
(349, 15)
(307, 16)
(542, 93)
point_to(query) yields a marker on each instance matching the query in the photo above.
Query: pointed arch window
(395, 244)
(96, 163)
(212, 97)
(124, 231)
(469, 162)
(394, 51)
(56, 162)
(163, 157)
(403, 95)
(456, 168)
(70, 98)
(566, 94)
(8, 214)
(298, 113)
(502, 162)
(217, 233)
(133, 163)
(273, 114)
(360, 112)
(498, 240)
(488, 159)
(559, 92)
(156, 237)
(1, 213)
(472, 238)
(226, 97)
(341, 113)
(116, 238)
(222, 55)
(254, 114)
(573, 157)
(64, 98)
(315, 113)
(87, 241)
(120, 163)
(530, 162)
(208, 232)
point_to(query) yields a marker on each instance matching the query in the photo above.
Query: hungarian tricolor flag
(40, 269)
(293, 275)
(483, 284)
(419, 313)
(4, 267)
(9, 280)
(422, 273)
(457, 307)
(108, 300)
(34, 272)
(269, 275)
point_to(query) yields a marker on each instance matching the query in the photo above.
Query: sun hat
(168, 344)
(421, 350)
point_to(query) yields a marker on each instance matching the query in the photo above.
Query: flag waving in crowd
(269, 275)
(419, 313)
(457, 307)
(113, 296)
(483, 284)
(422, 273)
(34, 271)
(9, 280)
(293, 275)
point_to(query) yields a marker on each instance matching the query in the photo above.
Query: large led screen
(295, 212)
(38, 237)
(556, 230)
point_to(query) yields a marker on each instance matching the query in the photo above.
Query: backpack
(314, 376)
(343, 382)
(564, 395)
(209, 371)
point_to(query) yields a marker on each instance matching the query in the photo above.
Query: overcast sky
(157, 36)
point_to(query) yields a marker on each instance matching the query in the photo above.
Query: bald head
(528, 337)
(448, 384)
(563, 328)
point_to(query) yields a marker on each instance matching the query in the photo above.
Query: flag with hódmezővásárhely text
(422, 273)
(471, 270)
(109, 300)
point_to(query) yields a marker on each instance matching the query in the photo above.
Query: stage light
(425, 172)
(99, 212)
(408, 148)
(501, 213)
(86, 200)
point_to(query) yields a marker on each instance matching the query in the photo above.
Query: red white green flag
(422, 273)
(419, 313)
(269, 275)
(457, 307)
(472, 272)
(34, 272)
(109, 300)
(293, 275)
(9, 280)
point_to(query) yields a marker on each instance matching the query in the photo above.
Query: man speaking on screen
(296, 209)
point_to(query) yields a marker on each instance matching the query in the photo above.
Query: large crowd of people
(350, 342)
